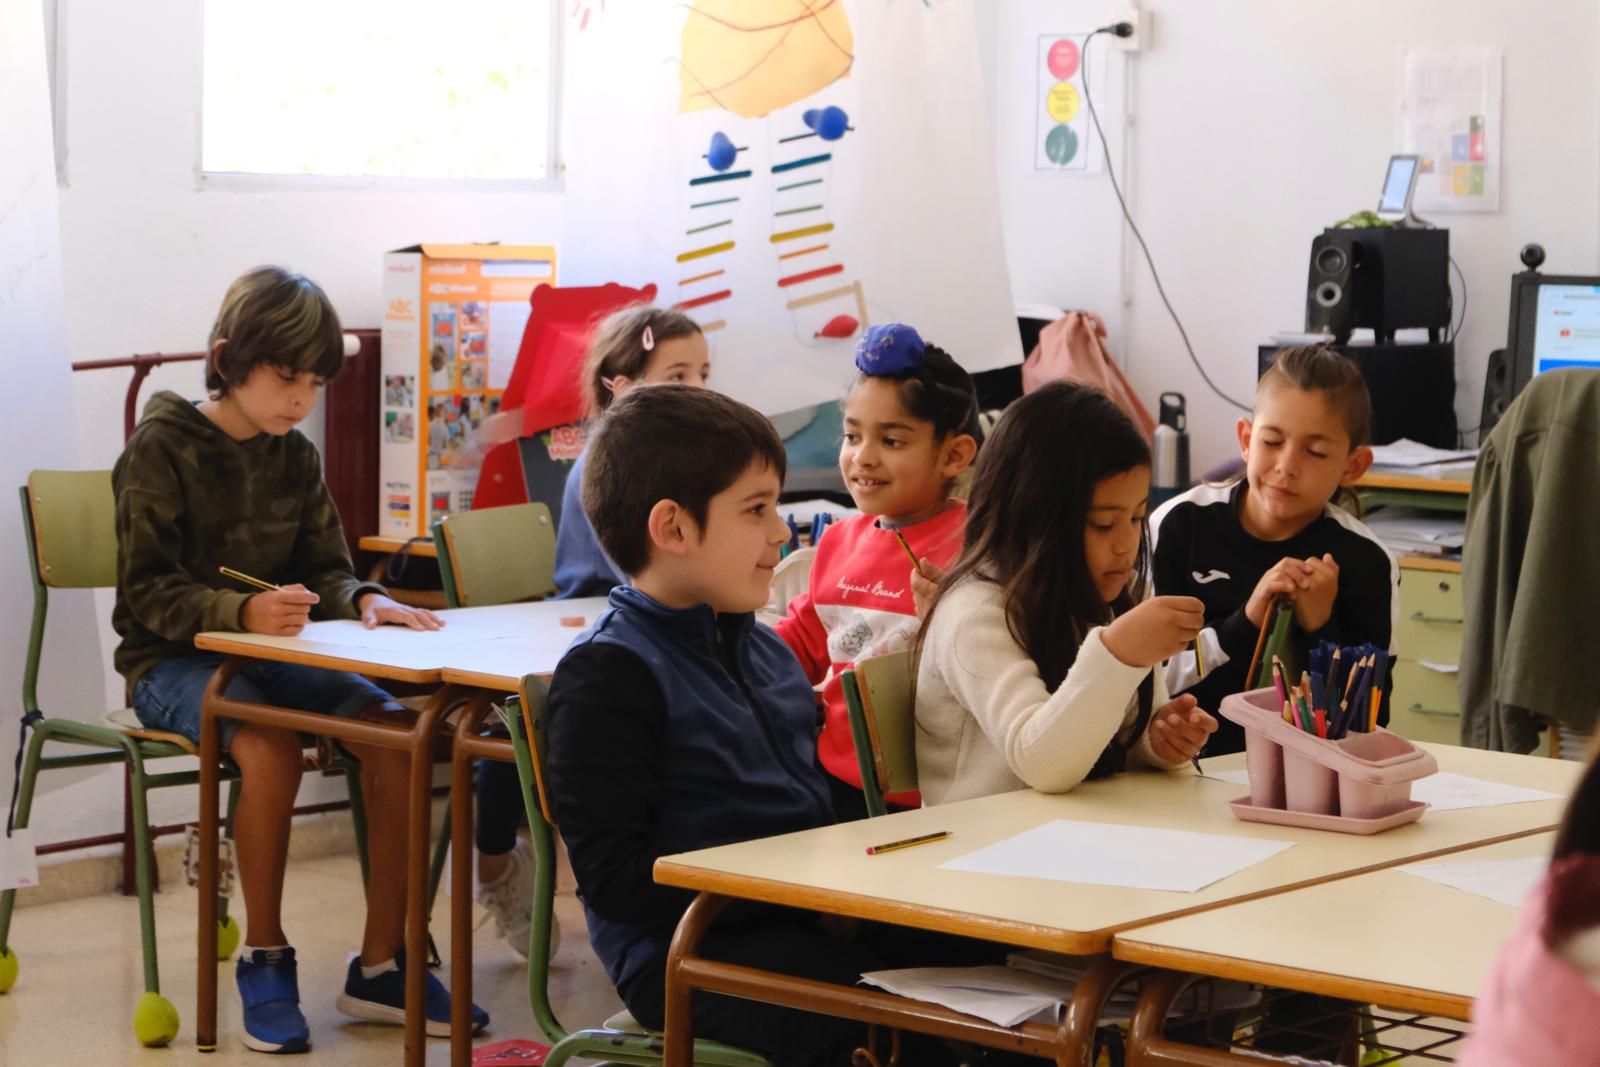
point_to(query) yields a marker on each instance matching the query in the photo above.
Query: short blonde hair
(272, 315)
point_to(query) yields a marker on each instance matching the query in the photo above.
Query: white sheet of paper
(19, 861)
(1448, 792)
(1135, 857)
(999, 994)
(1239, 777)
(400, 638)
(1506, 881)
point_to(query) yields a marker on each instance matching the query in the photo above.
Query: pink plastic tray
(1356, 782)
(1245, 811)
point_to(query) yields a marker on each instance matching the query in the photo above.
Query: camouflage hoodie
(191, 499)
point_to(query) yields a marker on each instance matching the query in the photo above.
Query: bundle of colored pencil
(1344, 695)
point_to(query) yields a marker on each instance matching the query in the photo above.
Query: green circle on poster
(1061, 145)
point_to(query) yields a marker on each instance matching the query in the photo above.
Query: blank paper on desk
(1133, 857)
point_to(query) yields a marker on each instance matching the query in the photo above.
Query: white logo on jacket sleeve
(1207, 579)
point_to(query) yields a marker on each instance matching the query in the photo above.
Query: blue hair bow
(889, 350)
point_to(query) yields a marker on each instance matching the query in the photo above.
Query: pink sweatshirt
(1538, 1007)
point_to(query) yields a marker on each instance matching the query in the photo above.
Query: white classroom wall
(1256, 122)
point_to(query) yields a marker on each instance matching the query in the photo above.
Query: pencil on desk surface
(241, 576)
(873, 850)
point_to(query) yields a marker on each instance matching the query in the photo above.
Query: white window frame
(554, 181)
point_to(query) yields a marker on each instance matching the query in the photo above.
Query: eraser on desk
(576, 622)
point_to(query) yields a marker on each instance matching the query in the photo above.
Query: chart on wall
(1064, 135)
(789, 172)
(1450, 116)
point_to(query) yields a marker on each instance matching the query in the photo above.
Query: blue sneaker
(383, 999)
(270, 990)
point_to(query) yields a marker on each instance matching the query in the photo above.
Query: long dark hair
(1574, 901)
(1031, 494)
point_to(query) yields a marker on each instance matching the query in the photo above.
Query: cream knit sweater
(987, 724)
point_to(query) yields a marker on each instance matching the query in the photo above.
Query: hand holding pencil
(282, 611)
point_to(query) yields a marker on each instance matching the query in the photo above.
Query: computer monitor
(1557, 325)
(1398, 186)
(1554, 323)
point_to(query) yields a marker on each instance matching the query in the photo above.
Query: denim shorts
(167, 696)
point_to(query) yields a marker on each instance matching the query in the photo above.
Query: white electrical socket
(1139, 40)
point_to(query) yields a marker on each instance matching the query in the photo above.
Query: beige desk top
(519, 639)
(1417, 945)
(827, 869)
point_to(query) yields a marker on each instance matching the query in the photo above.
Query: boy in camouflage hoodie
(229, 481)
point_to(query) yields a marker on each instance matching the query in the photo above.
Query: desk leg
(205, 1023)
(468, 724)
(678, 1037)
(1081, 1019)
(1147, 1043)
(421, 790)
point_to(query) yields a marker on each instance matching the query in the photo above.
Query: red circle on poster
(1063, 58)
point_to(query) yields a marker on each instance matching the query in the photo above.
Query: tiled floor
(80, 978)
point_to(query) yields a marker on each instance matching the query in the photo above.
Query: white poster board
(1450, 117)
(789, 180)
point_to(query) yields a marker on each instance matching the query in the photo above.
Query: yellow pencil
(240, 576)
(1199, 657)
(907, 546)
(892, 846)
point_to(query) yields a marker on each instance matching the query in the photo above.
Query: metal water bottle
(1170, 449)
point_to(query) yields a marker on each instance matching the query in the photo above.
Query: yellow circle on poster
(1062, 103)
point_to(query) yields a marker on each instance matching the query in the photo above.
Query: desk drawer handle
(1417, 616)
(1418, 709)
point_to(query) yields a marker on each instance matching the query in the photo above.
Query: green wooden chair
(621, 1040)
(877, 693)
(69, 524)
(501, 555)
(497, 555)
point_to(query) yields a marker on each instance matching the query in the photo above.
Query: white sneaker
(509, 899)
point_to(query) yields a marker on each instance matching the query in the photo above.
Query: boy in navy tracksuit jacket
(677, 722)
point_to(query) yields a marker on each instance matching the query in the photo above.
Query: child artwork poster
(1450, 116)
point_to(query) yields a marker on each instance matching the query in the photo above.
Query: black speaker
(1497, 392)
(1335, 284)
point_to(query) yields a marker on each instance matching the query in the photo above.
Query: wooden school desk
(827, 870)
(1386, 938)
(530, 633)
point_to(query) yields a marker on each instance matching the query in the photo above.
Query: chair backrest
(71, 523)
(791, 577)
(497, 555)
(883, 725)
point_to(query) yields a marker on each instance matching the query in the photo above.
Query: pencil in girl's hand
(909, 554)
(240, 576)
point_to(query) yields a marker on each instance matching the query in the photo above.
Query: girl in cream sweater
(1037, 653)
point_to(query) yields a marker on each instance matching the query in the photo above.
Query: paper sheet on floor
(1134, 857)
(1448, 792)
(1506, 881)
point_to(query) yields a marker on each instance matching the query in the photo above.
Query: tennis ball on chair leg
(228, 938)
(155, 1020)
(8, 970)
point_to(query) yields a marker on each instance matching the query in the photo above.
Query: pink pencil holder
(1354, 784)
